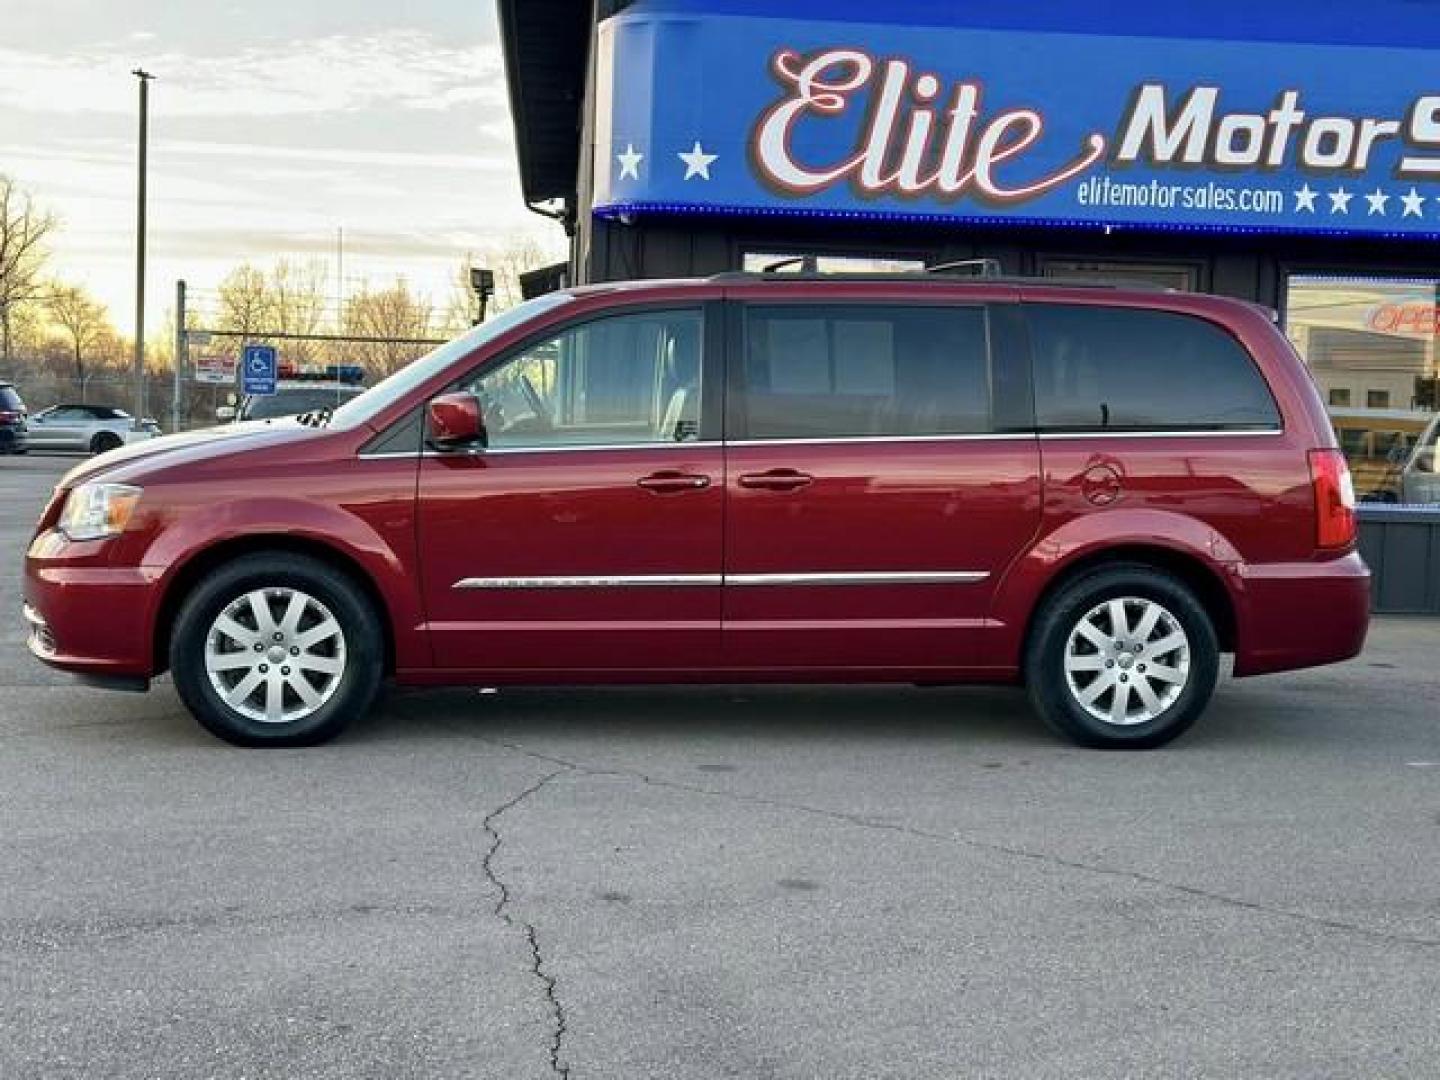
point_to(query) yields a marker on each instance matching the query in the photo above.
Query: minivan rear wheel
(276, 649)
(1124, 657)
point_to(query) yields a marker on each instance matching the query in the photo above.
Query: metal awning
(546, 43)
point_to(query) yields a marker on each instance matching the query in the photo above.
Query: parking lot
(729, 882)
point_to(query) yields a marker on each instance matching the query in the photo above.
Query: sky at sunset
(273, 124)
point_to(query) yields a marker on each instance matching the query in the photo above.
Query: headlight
(93, 511)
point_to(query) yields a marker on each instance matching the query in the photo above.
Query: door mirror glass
(455, 422)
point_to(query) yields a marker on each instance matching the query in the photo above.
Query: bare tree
(288, 298)
(391, 313)
(23, 229)
(243, 299)
(83, 323)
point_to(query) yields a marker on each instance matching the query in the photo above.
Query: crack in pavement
(503, 904)
(1043, 858)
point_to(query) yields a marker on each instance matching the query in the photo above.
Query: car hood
(169, 450)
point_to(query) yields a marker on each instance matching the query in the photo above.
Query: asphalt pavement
(730, 882)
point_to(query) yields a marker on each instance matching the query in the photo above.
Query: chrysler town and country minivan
(753, 478)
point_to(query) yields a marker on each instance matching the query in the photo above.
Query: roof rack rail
(984, 268)
(808, 264)
(926, 277)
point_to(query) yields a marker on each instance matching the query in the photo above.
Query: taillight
(9, 416)
(1334, 499)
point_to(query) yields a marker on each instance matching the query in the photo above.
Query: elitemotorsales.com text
(1103, 191)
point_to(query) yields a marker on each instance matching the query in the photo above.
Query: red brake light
(1334, 499)
(9, 416)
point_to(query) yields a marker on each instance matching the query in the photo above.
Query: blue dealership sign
(757, 115)
(259, 370)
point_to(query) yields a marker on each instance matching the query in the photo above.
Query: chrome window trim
(876, 577)
(507, 450)
(840, 440)
(1233, 433)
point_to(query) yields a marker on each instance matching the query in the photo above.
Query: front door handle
(777, 480)
(670, 482)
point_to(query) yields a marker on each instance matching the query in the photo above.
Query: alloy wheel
(275, 655)
(1127, 661)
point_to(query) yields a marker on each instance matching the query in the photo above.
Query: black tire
(364, 649)
(103, 441)
(1050, 685)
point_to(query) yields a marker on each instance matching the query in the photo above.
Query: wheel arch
(1191, 570)
(194, 569)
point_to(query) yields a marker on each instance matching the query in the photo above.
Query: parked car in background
(13, 435)
(299, 391)
(1420, 479)
(91, 428)
(1094, 492)
(289, 399)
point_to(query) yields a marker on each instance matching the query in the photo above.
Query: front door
(874, 501)
(585, 539)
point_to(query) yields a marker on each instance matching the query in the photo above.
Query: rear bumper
(13, 440)
(1299, 615)
(92, 620)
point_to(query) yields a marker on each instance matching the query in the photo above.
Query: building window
(757, 262)
(1166, 276)
(1376, 340)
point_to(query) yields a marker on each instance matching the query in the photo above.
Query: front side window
(825, 372)
(619, 380)
(1373, 346)
(1128, 369)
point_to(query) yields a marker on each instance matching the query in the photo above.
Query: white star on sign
(630, 162)
(1305, 199)
(1377, 202)
(697, 162)
(1340, 201)
(1414, 204)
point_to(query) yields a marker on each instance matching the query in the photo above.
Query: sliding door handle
(670, 483)
(776, 480)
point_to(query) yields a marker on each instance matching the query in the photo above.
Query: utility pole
(144, 77)
(181, 348)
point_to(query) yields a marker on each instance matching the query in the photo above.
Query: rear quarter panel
(1233, 502)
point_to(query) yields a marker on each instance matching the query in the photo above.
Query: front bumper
(1300, 615)
(85, 617)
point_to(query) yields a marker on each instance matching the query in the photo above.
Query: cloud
(397, 69)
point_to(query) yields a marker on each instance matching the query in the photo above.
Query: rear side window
(831, 371)
(10, 400)
(1100, 369)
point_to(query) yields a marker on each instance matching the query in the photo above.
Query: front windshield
(388, 391)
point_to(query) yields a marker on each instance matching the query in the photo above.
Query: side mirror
(454, 422)
(225, 413)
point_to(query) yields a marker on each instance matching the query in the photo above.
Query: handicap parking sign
(259, 368)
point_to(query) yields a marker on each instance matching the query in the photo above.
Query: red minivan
(751, 478)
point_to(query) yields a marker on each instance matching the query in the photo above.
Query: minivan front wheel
(1124, 657)
(276, 650)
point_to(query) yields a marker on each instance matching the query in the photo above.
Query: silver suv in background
(91, 428)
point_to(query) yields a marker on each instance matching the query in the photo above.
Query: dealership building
(1286, 153)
